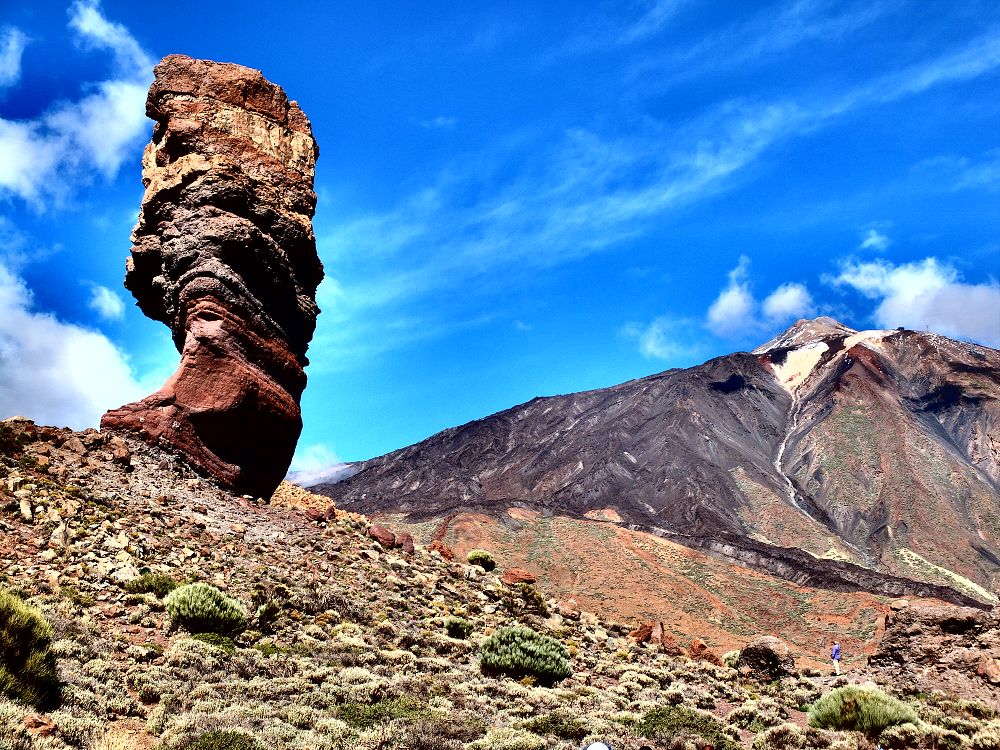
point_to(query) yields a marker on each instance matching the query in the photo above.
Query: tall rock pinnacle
(224, 254)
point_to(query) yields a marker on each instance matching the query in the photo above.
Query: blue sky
(518, 199)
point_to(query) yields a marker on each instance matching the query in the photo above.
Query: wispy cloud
(666, 338)
(43, 157)
(657, 14)
(763, 37)
(12, 44)
(106, 303)
(545, 198)
(873, 240)
(925, 294)
(438, 123)
(316, 463)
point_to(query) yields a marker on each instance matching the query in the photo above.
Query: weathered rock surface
(224, 254)
(767, 658)
(954, 649)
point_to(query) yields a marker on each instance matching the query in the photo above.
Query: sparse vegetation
(863, 709)
(159, 584)
(222, 740)
(672, 723)
(521, 652)
(482, 558)
(27, 664)
(458, 627)
(202, 608)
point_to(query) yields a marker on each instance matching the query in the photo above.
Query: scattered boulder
(224, 254)
(442, 549)
(989, 669)
(699, 651)
(382, 535)
(569, 609)
(643, 633)
(514, 576)
(767, 658)
(405, 542)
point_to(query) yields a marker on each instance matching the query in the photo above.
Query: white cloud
(873, 240)
(56, 372)
(736, 313)
(44, 156)
(664, 338)
(317, 463)
(788, 302)
(12, 44)
(734, 309)
(926, 294)
(106, 303)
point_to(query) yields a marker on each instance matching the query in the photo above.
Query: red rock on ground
(224, 253)
(382, 535)
(405, 541)
(442, 549)
(514, 576)
(569, 609)
(642, 633)
(699, 650)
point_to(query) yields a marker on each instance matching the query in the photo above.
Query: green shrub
(671, 723)
(220, 642)
(781, 737)
(521, 652)
(559, 724)
(482, 558)
(160, 584)
(524, 599)
(862, 709)
(731, 659)
(369, 715)
(201, 608)
(224, 739)
(27, 664)
(458, 627)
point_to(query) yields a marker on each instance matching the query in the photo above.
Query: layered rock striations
(877, 449)
(224, 254)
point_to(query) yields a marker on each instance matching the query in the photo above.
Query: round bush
(482, 558)
(521, 652)
(27, 664)
(861, 709)
(201, 608)
(458, 627)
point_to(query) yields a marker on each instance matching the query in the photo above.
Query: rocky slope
(224, 254)
(359, 654)
(878, 448)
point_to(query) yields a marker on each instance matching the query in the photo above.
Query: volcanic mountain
(827, 455)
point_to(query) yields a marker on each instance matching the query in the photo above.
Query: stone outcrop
(224, 254)
(953, 649)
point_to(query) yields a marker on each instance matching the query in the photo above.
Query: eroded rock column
(224, 254)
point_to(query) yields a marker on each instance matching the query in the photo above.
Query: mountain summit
(876, 448)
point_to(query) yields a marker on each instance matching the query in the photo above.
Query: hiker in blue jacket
(835, 655)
